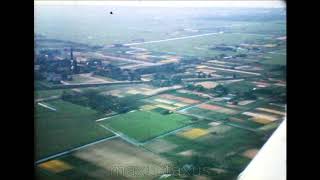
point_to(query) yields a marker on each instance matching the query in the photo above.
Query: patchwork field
(174, 100)
(262, 118)
(155, 127)
(144, 125)
(190, 94)
(67, 127)
(114, 159)
(180, 99)
(133, 89)
(244, 120)
(208, 114)
(211, 145)
(217, 108)
(201, 46)
(211, 110)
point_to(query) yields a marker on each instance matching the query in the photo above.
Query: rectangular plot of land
(147, 107)
(194, 133)
(55, 166)
(261, 120)
(221, 129)
(208, 84)
(69, 126)
(160, 146)
(209, 114)
(144, 125)
(272, 111)
(181, 99)
(180, 104)
(258, 116)
(164, 106)
(245, 102)
(217, 108)
(118, 158)
(164, 101)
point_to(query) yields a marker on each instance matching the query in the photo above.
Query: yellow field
(55, 166)
(194, 133)
(261, 120)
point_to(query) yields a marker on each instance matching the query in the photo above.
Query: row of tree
(101, 103)
(221, 90)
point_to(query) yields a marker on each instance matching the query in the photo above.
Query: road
(79, 85)
(274, 52)
(47, 98)
(213, 79)
(173, 39)
(166, 134)
(46, 106)
(122, 136)
(232, 70)
(74, 149)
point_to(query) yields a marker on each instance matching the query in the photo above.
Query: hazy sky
(216, 3)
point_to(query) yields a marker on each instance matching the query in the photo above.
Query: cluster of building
(55, 69)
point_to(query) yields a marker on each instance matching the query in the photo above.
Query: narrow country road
(46, 106)
(172, 39)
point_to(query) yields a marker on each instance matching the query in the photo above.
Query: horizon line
(196, 4)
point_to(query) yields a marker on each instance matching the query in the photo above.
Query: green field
(48, 93)
(200, 46)
(240, 87)
(68, 127)
(275, 59)
(144, 125)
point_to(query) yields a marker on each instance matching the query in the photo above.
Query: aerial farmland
(165, 93)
